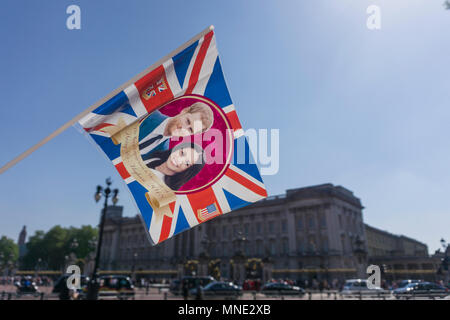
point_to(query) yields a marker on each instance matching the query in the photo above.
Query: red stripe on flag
(246, 183)
(98, 127)
(166, 224)
(199, 62)
(234, 120)
(122, 170)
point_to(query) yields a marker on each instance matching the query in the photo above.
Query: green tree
(9, 251)
(53, 246)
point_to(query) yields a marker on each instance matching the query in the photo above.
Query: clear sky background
(368, 110)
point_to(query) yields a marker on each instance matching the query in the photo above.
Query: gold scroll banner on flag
(159, 195)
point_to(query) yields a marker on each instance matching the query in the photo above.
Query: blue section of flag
(116, 103)
(129, 110)
(111, 150)
(181, 62)
(235, 202)
(243, 158)
(217, 90)
(139, 192)
(182, 223)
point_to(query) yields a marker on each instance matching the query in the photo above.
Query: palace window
(299, 223)
(271, 226)
(285, 246)
(323, 221)
(311, 223)
(273, 247)
(325, 244)
(258, 228)
(246, 229)
(224, 232)
(284, 226)
(299, 245)
(259, 248)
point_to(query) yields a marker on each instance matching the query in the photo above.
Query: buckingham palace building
(313, 232)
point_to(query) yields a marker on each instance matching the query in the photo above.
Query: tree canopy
(53, 246)
(9, 251)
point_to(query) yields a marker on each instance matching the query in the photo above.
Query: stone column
(180, 270)
(238, 269)
(203, 266)
(267, 271)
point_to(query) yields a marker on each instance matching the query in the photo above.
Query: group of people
(38, 280)
(174, 166)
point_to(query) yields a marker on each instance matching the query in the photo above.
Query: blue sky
(360, 108)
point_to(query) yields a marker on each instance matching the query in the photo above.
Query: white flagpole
(100, 102)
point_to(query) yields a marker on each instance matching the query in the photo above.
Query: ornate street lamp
(38, 266)
(92, 244)
(445, 261)
(133, 274)
(2, 262)
(74, 244)
(106, 193)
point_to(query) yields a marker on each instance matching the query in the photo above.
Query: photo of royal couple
(177, 165)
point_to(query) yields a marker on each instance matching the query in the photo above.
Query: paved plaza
(7, 292)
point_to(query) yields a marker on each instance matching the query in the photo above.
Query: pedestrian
(64, 293)
(185, 289)
(321, 286)
(199, 292)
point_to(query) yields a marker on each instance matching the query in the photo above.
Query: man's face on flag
(181, 159)
(184, 124)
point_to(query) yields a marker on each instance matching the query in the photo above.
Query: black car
(421, 289)
(278, 288)
(120, 287)
(219, 289)
(61, 283)
(176, 287)
(404, 283)
(60, 287)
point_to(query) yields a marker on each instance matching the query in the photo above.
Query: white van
(354, 287)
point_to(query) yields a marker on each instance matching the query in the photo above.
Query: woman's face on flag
(183, 158)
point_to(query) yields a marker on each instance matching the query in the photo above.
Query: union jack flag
(193, 70)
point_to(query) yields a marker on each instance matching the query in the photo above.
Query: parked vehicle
(219, 289)
(279, 288)
(404, 283)
(60, 287)
(421, 289)
(251, 285)
(175, 286)
(27, 287)
(356, 287)
(62, 281)
(114, 286)
(190, 282)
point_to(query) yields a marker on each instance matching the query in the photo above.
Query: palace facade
(306, 233)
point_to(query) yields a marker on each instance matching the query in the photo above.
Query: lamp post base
(92, 290)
